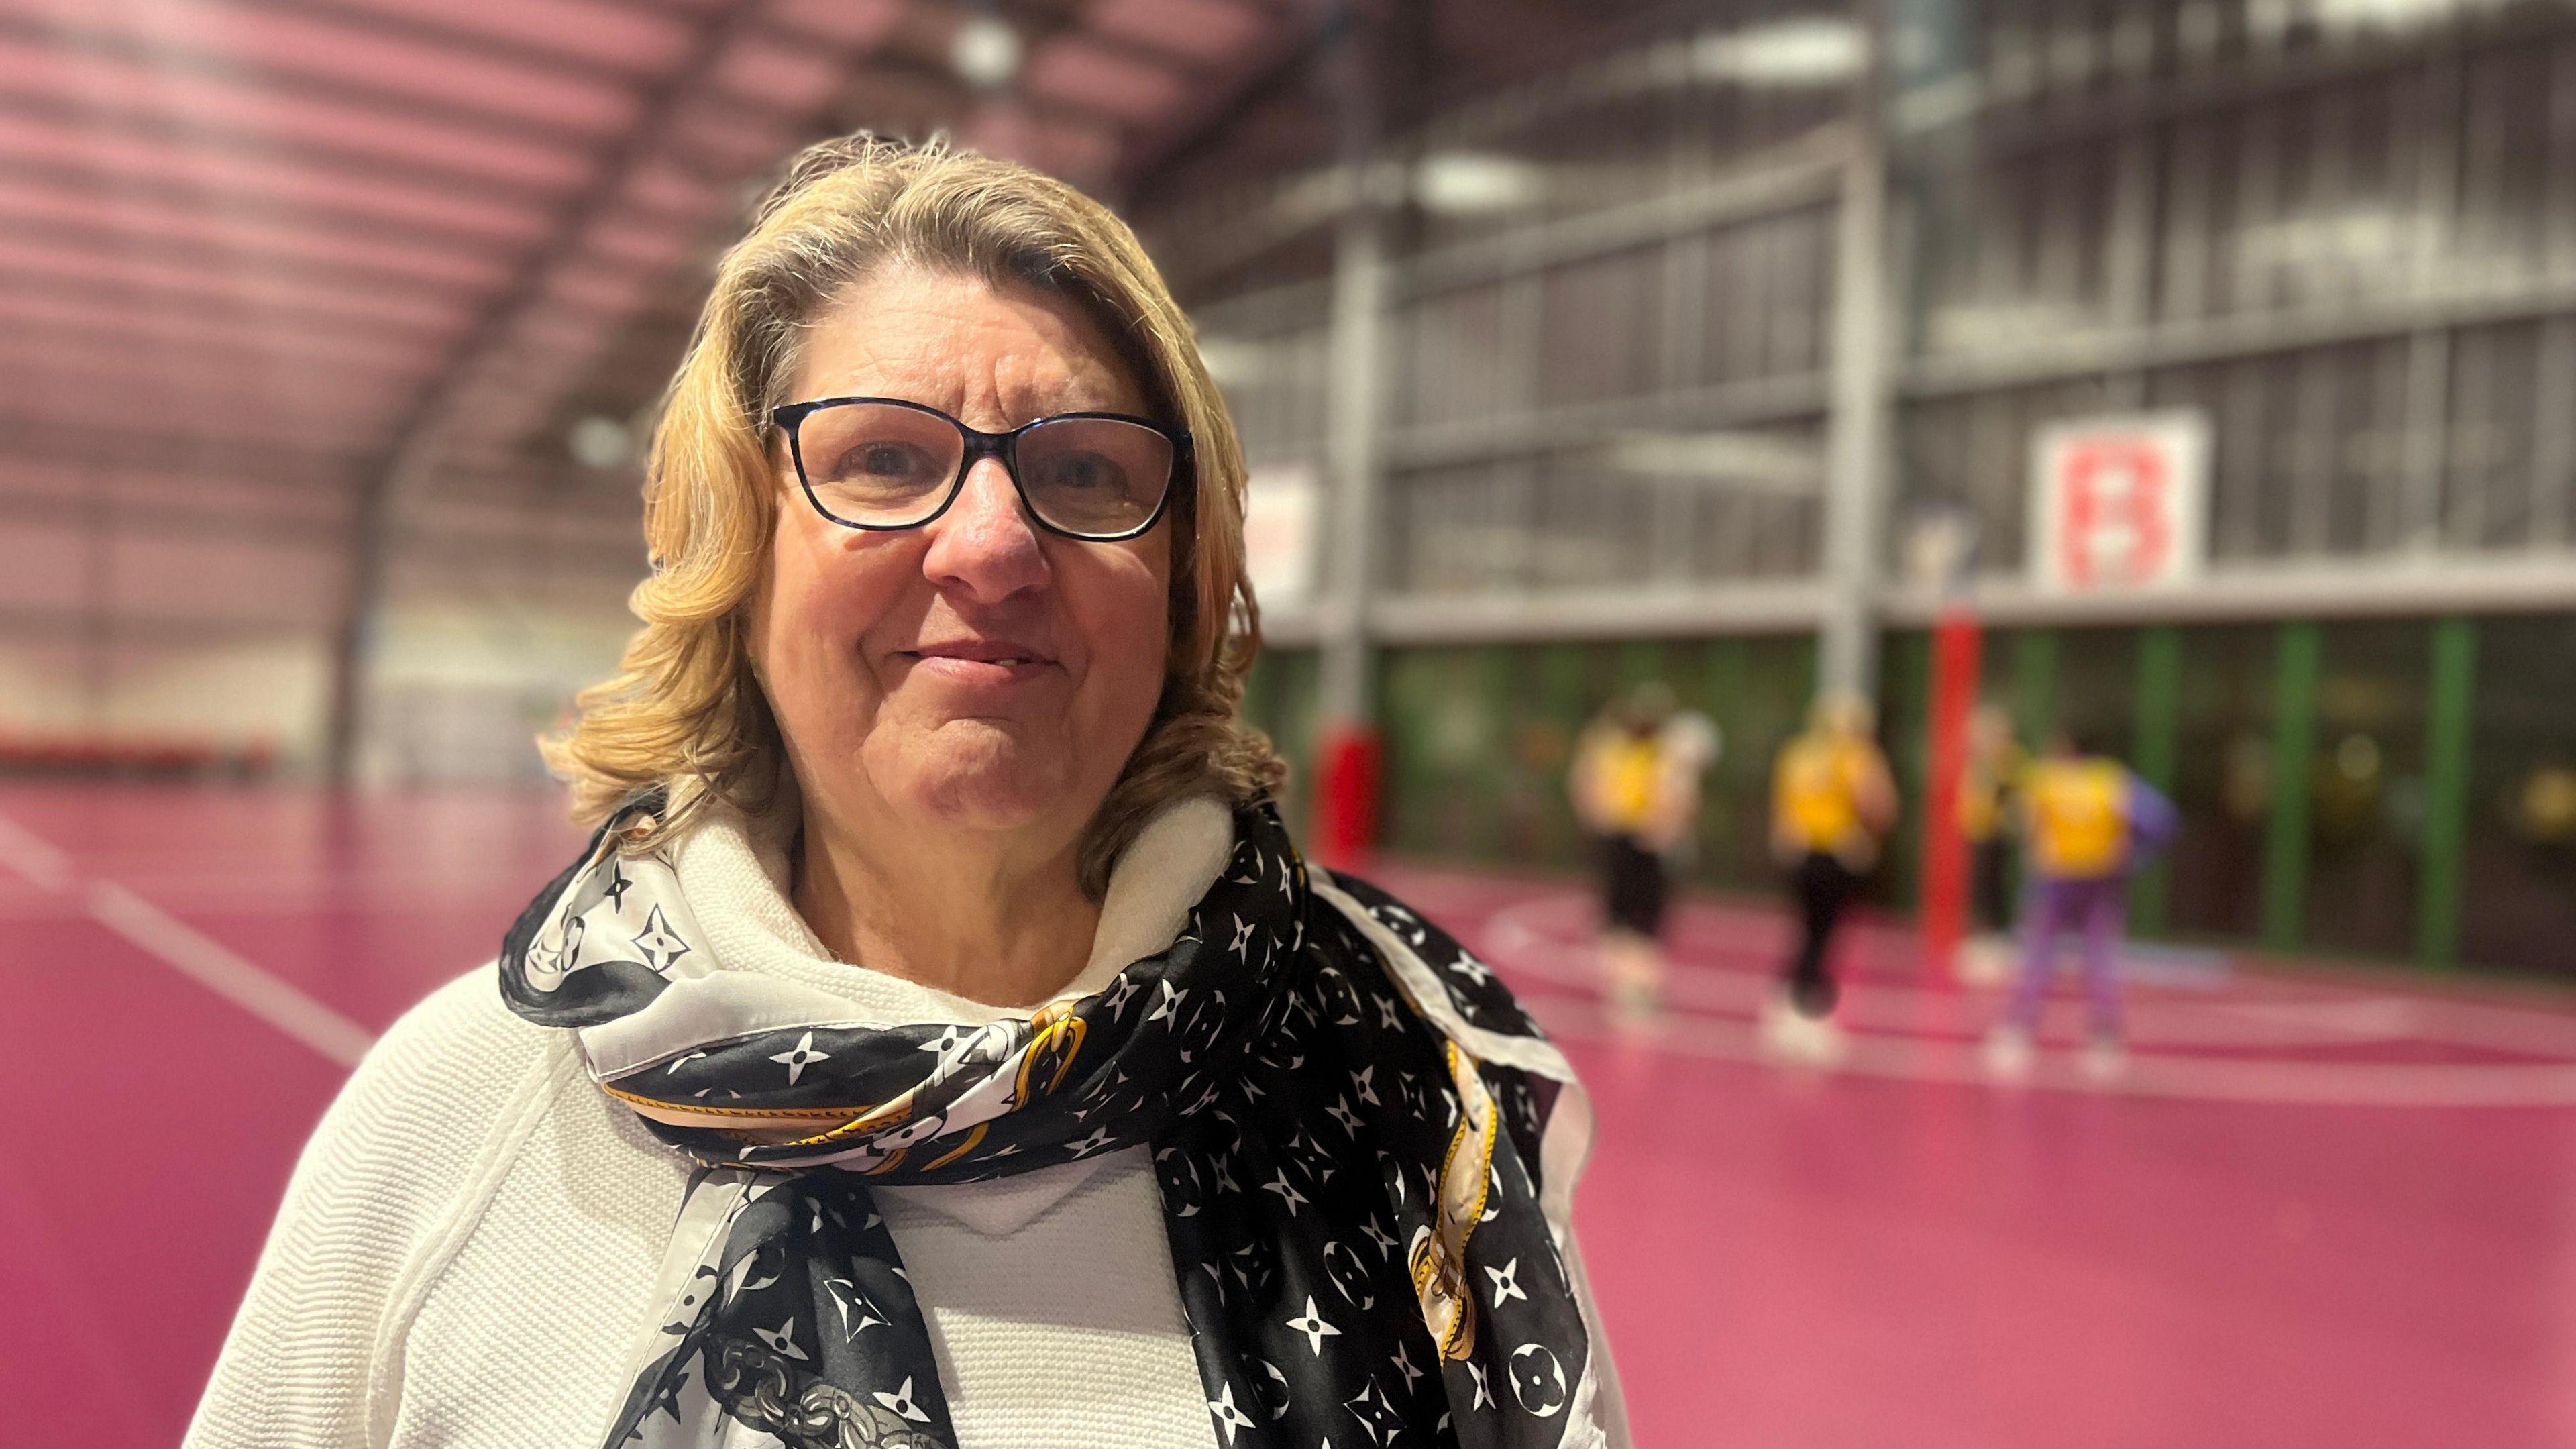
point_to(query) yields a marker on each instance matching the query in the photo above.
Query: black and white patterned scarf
(1364, 1151)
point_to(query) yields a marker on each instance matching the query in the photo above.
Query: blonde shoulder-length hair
(684, 712)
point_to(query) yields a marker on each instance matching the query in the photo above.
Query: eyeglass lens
(889, 467)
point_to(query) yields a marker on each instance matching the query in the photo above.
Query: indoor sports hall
(2016, 415)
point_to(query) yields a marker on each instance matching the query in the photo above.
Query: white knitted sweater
(467, 1250)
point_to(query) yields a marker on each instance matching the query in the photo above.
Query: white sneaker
(1635, 1009)
(1791, 1035)
(2105, 1060)
(1781, 1027)
(1985, 960)
(1827, 1042)
(2008, 1054)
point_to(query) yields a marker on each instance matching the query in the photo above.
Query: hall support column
(2447, 763)
(1348, 749)
(2298, 664)
(2157, 757)
(354, 633)
(1857, 423)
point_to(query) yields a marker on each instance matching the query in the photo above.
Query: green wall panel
(2155, 757)
(2296, 666)
(2450, 726)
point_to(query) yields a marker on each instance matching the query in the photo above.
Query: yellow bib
(1626, 773)
(2079, 817)
(1982, 783)
(1816, 792)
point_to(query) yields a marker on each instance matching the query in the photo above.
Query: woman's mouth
(981, 660)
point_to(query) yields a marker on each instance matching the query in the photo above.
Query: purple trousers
(2097, 907)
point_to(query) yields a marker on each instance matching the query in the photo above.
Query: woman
(1988, 786)
(940, 1042)
(1832, 804)
(2090, 824)
(1635, 785)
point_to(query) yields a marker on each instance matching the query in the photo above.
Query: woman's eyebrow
(1027, 409)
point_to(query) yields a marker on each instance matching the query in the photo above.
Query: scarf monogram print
(1349, 1121)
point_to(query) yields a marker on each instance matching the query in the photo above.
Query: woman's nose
(986, 543)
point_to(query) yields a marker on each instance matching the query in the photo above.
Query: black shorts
(1632, 882)
(1990, 875)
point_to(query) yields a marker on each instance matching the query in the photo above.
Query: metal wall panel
(2347, 233)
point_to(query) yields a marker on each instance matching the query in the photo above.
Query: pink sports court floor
(2323, 1208)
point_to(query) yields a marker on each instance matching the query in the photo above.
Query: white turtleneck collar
(735, 872)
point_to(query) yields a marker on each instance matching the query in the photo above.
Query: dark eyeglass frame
(979, 446)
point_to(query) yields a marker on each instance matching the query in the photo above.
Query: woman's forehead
(957, 343)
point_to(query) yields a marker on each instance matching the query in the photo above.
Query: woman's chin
(989, 780)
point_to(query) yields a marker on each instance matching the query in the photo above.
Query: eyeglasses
(882, 463)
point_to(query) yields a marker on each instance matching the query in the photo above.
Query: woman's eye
(1084, 472)
(880, 462)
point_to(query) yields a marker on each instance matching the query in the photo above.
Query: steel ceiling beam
(457, 550)
(121, 375)
(269, 301)
(128, 384)
(188, 135)
(685, 12)
(1311, 30)
(175, 517)
(749, 107)
(417, 439)
(152, 57)
(104, 411)
(36, 621)
(417, 29)
(42, 438)
(114, 299)
(218, 257)
(1071, 19)
(61, 343)
(780, 33)
(70, 178)
(248, 384)
(918, 68)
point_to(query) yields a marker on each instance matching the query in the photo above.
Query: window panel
(2518, 906)
(2366, 787)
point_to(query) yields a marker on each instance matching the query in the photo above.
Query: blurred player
(2087, 822)
(1987, 789)
(1636, 789)
(1832, 802)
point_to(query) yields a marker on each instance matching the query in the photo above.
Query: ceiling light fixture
(600, 442)
(1476, 183)
(986, 51)
(2380, 14)
(1807, 50)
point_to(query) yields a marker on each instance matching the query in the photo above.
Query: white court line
(190, 952)
(1510, 939)
(1521, 935)
(1900, 1009)
(33, 857)
(1729, 1034)
(2181, 1079)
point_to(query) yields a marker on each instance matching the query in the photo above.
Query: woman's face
(976, 672)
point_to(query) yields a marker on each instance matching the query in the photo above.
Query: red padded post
(1957, 643)
(1348, 760)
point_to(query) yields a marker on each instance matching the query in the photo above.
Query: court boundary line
(190, 952)
(34, 857)
(1580, 1019)
(2492, 1026)
(2151, 1074)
